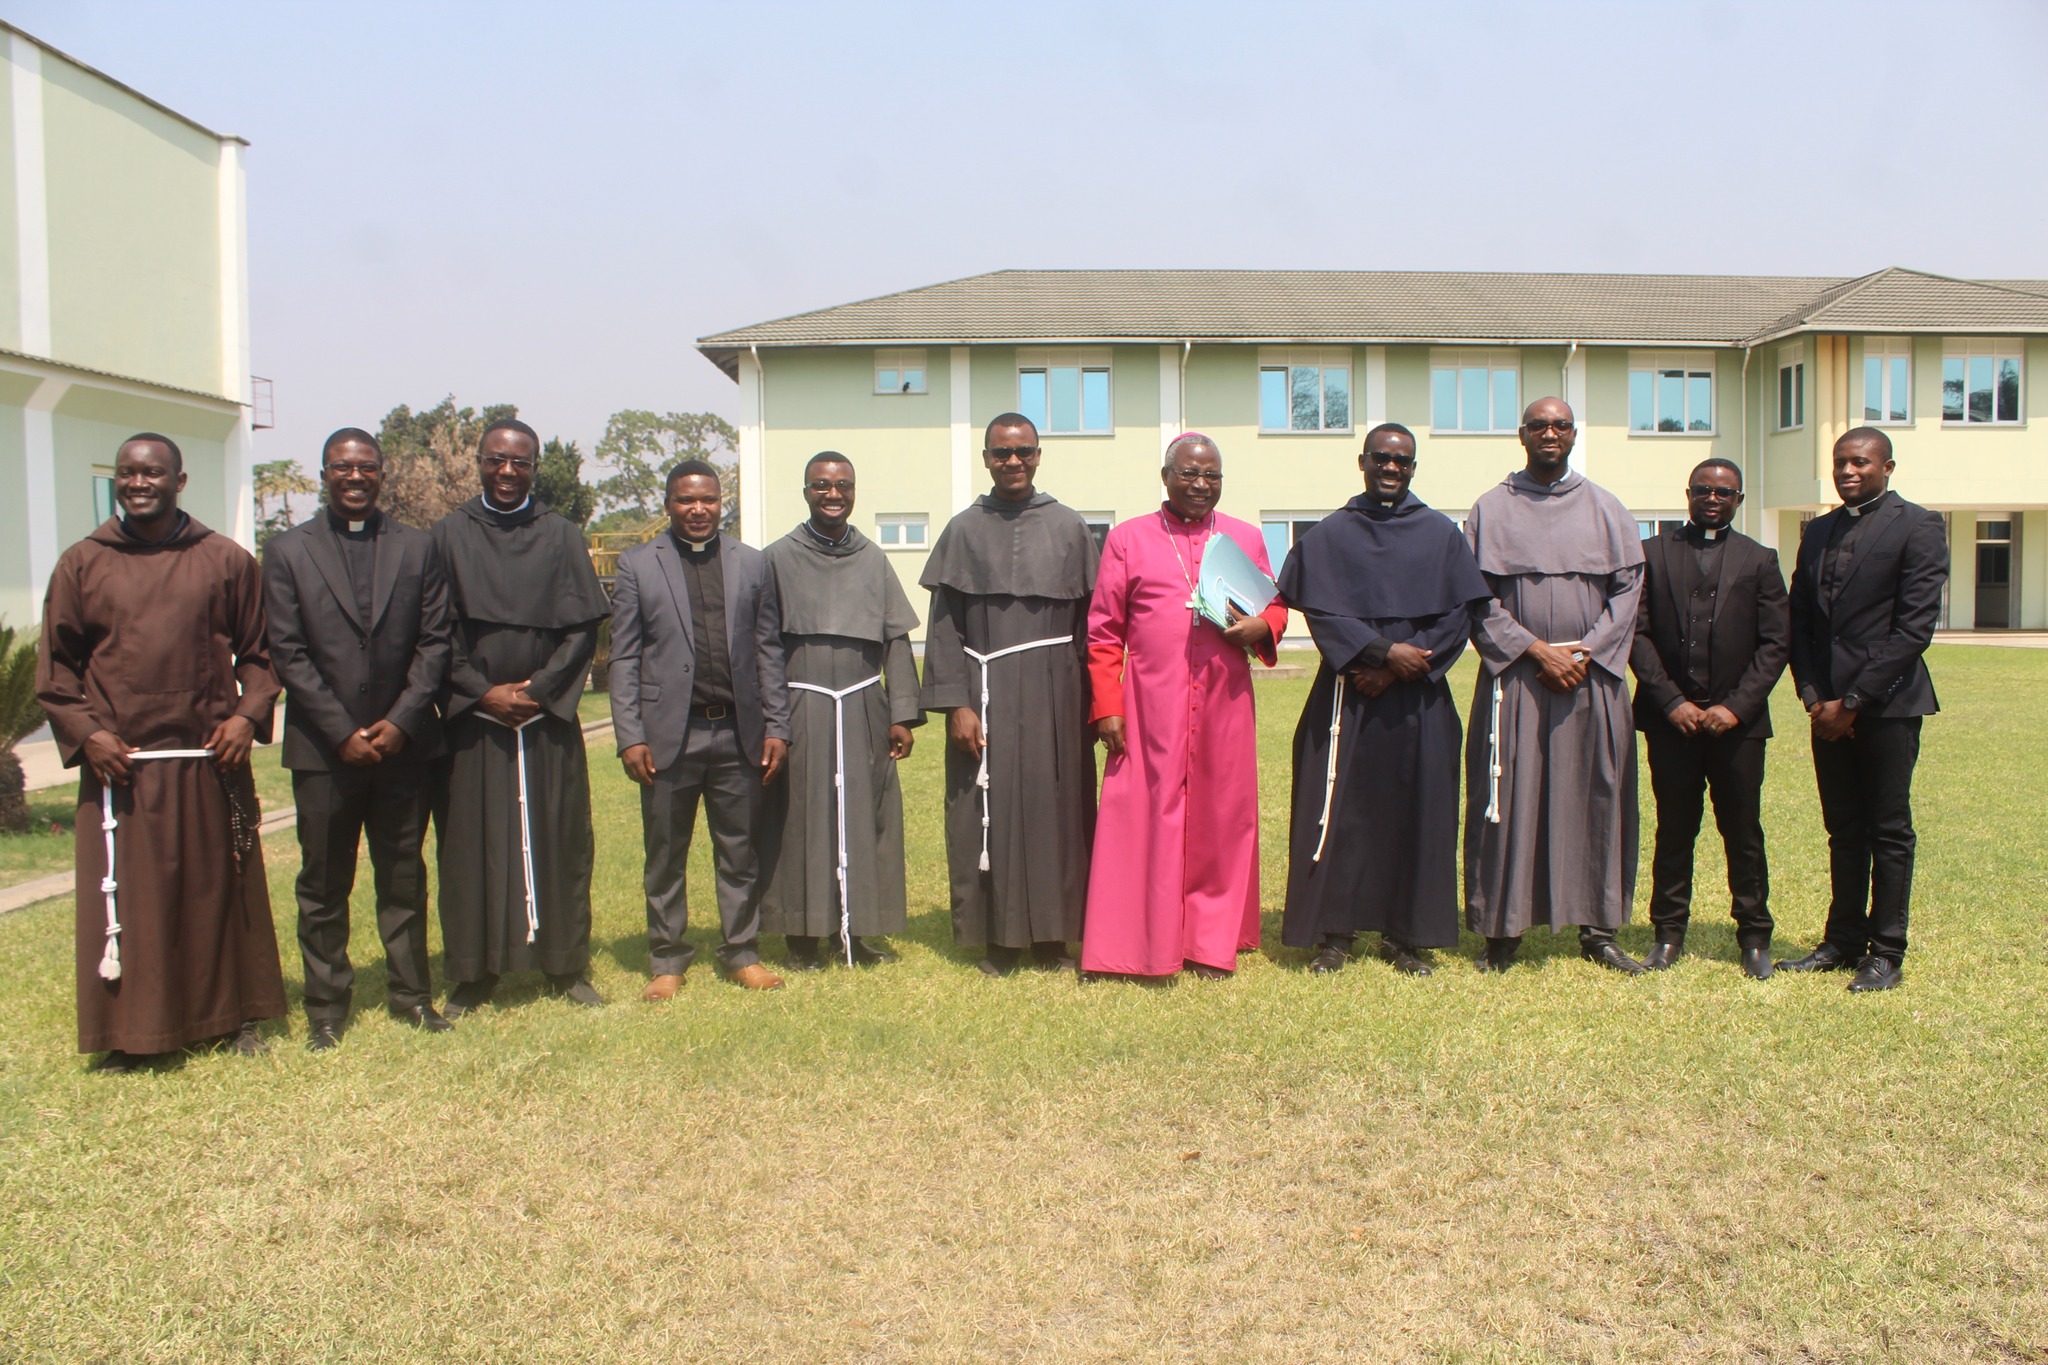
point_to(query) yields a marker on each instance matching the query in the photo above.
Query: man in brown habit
(157, 683)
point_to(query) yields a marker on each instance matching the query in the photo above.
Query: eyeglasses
(1192, 476)
(518, 462)
(831, 486)
(1701, 491)
(1006, 454)
(1536, 426)
(1389, 457)
(352, 470)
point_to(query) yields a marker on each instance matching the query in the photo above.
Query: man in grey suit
(701, 710)
(359, 635)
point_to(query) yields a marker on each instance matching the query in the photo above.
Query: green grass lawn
(914, 1162)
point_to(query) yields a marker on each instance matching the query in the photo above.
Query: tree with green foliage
(641, 446)
(558, 481)
(19, 714)
(279, 479)
(430, 458)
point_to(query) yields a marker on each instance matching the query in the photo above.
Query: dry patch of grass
(915, 1163)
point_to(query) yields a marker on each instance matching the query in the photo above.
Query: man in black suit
(359, 635)
(1712, 637)
(1866, 593)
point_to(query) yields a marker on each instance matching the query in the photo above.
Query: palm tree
(19, 714)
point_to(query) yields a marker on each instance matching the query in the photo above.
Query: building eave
(122, 86)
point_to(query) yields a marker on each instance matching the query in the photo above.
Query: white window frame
(896, 362)
(1888, 349)
(1651, 524)
(1086, 359)
(1493, 361)
(901, 522)
(1791, 359)
(1292, 520)
(1104, 520)
(1692, 363)
(1993, 349)
(1287, 359)
(106, 472)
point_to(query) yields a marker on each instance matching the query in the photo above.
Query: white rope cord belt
(110, 960)
(1330, 772)
(839, 792)
(981, 776)
(525, 824)
(1493, 759)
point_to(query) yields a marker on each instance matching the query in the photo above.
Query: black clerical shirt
(358, 558)
(1699, 589)
(704, 572)
(1841, 548)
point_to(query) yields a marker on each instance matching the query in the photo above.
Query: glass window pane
(1308, 400)
(1273, 400)
(1641, 408)
(1952, 388)
(1671, 400)
(1699, 402)
(1065, 410)
(1896, 409)
(885, 381)
(887, 532)
(1799, 393)
(1980, 388)
(913, 381)
(914, 533)
(1031, 397)
(1873, 388)
(102, 497)
(2008, 389)
(1507, 401)
(1443, 400)
(1095, 400)
(1336, 398)
(1472, 412)
(1784, 396)
(1276, 542)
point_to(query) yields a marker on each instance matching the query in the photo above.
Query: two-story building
(123, 307)
(1288, 369)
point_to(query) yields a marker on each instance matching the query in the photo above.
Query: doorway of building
(1994, 575)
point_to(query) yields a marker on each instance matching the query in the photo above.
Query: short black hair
(1009, 419)
(177, 455)
(351, 436)
(1716, 462)
(510, 424)
(1870, 434)
(826, 457)
(690, 467)
(1394, 427)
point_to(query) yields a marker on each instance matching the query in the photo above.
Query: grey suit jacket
(341, 673)
(654, 649)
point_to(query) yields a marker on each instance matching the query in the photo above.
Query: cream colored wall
(10, 212)
(17, 604)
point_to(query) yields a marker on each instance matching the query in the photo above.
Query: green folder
(1230, 579)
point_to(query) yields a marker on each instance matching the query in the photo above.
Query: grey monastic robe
(845, 619)
(1565, 563)
(1005, 574)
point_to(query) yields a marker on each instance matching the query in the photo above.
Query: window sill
(1680, 435)
(1947, 425)
(900, 549)
(1435, 432)
(900, 393)
(1075, 435)
(1290, 431)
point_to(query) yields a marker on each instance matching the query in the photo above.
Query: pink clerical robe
(1175, 876)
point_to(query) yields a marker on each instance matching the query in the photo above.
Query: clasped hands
(1405, 663)
(1689, 719)
(107, 754)
(1831, 720)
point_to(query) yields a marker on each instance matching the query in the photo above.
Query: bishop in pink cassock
(1175, 878)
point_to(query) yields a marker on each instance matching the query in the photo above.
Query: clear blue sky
(547, 204)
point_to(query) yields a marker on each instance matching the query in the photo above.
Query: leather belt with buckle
(711, 712)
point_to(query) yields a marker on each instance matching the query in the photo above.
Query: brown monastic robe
(159, 644)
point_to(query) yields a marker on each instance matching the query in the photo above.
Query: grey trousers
(713, 767)
(390, 803)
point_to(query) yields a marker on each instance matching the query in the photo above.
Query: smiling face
(353, 474)
(1548, 433)
(504, 465)
(1193, 476)
(1011, 457)
(695, 504)
(828, 492)
(1389, 465)
(147, 481)
(1713, 495)
(1862, 470)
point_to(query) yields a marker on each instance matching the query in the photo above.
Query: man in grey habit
(701, 712)
(1005, 658)
(834, 846)
(1550, 753)
(358, 627)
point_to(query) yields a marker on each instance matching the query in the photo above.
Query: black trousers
(392, 802)
(1866, 801)
(1683, 769)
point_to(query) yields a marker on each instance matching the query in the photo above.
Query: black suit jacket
(340, 673)
(1869, 635)
(1749, 643)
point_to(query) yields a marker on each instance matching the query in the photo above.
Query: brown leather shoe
(755, 977)
(663, 987)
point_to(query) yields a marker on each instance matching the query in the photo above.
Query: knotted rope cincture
(839, 793)
(981, 774)
(525, 824)
(1493, 759)
(1330, 771)
(110, 960)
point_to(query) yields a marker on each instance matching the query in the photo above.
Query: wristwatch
(1852, 701)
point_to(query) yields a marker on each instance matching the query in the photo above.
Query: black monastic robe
(1004, 574)
(1367, 577)
(845, 619)
(527, 605)
(158, 644)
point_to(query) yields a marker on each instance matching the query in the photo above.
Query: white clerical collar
(356, 527)
(698, 547)
(1710, 533)
(1857, 509)
(505, 511)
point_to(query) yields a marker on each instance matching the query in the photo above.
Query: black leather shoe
(1756, 963)
(1663, 957)
(865, 954)
(468, 997)
(999, 961)
(1052, 957)
(1607, 953)
(1826, 958)
(576, 989)
(1499, 954)
(1329, 960)
(115, 1062)
(425, 1018)
(1208, 973)
(1875, 973)
(1402, 958)
(323, 1035)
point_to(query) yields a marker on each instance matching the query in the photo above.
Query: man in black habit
(358, 611)
(513, 821)
(1390, 590)
(1006, 659)
(1866, 592)
(1712, 635)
